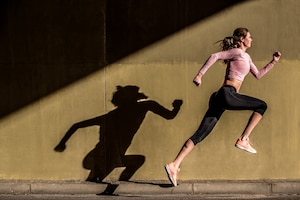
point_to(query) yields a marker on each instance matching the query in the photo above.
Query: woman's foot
(172, 173)
(244, 144)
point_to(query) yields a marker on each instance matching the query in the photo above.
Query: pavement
(215, 187)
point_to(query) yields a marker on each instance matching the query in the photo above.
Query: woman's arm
(260, 73)
(222, 55)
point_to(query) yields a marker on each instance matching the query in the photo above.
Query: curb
(268, 188)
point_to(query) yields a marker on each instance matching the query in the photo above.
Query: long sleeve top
(238, 66)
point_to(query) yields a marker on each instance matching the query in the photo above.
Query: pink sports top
(239, 64)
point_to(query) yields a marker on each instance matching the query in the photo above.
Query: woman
(239, 64)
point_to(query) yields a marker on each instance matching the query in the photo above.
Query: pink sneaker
(245, 145)
(172, 173)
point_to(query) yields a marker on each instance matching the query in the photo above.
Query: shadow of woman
(117, 129)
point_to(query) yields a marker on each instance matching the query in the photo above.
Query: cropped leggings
(225, 99)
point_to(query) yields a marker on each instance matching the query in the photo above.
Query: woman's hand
(276, 56)
(197, 80)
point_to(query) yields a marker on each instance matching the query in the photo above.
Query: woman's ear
(242, 39)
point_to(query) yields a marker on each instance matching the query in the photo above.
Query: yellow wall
(164, 71)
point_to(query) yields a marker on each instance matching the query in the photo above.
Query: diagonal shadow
(46, 45)
(134, 24)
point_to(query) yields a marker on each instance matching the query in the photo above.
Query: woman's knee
(262, 108)
(195, 140)
(204, 130)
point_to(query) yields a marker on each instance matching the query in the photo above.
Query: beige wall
(164, 72)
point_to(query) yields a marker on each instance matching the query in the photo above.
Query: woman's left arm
(260, 73)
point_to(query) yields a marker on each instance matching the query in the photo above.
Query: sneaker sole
(243, 148)
(170, 175)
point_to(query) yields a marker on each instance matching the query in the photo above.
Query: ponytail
(229, 43)
(234, 40)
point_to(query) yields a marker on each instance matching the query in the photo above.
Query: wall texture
(63, 60)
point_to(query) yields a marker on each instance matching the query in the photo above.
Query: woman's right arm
(222, 55)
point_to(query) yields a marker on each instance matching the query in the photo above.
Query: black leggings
(225, 99)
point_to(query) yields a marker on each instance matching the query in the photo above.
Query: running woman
(239, 64)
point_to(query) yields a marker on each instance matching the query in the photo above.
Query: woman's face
(247, 40)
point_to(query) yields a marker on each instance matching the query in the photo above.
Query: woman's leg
(253, 121)
(206, 126)
(244, 142)
(235, 101)
(208, 123)
(185, 150)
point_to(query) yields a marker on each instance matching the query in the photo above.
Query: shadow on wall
(46, 45)
(117, 129)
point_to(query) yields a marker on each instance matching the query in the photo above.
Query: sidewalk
(263, 187)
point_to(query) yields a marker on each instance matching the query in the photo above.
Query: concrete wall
(62, 62)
